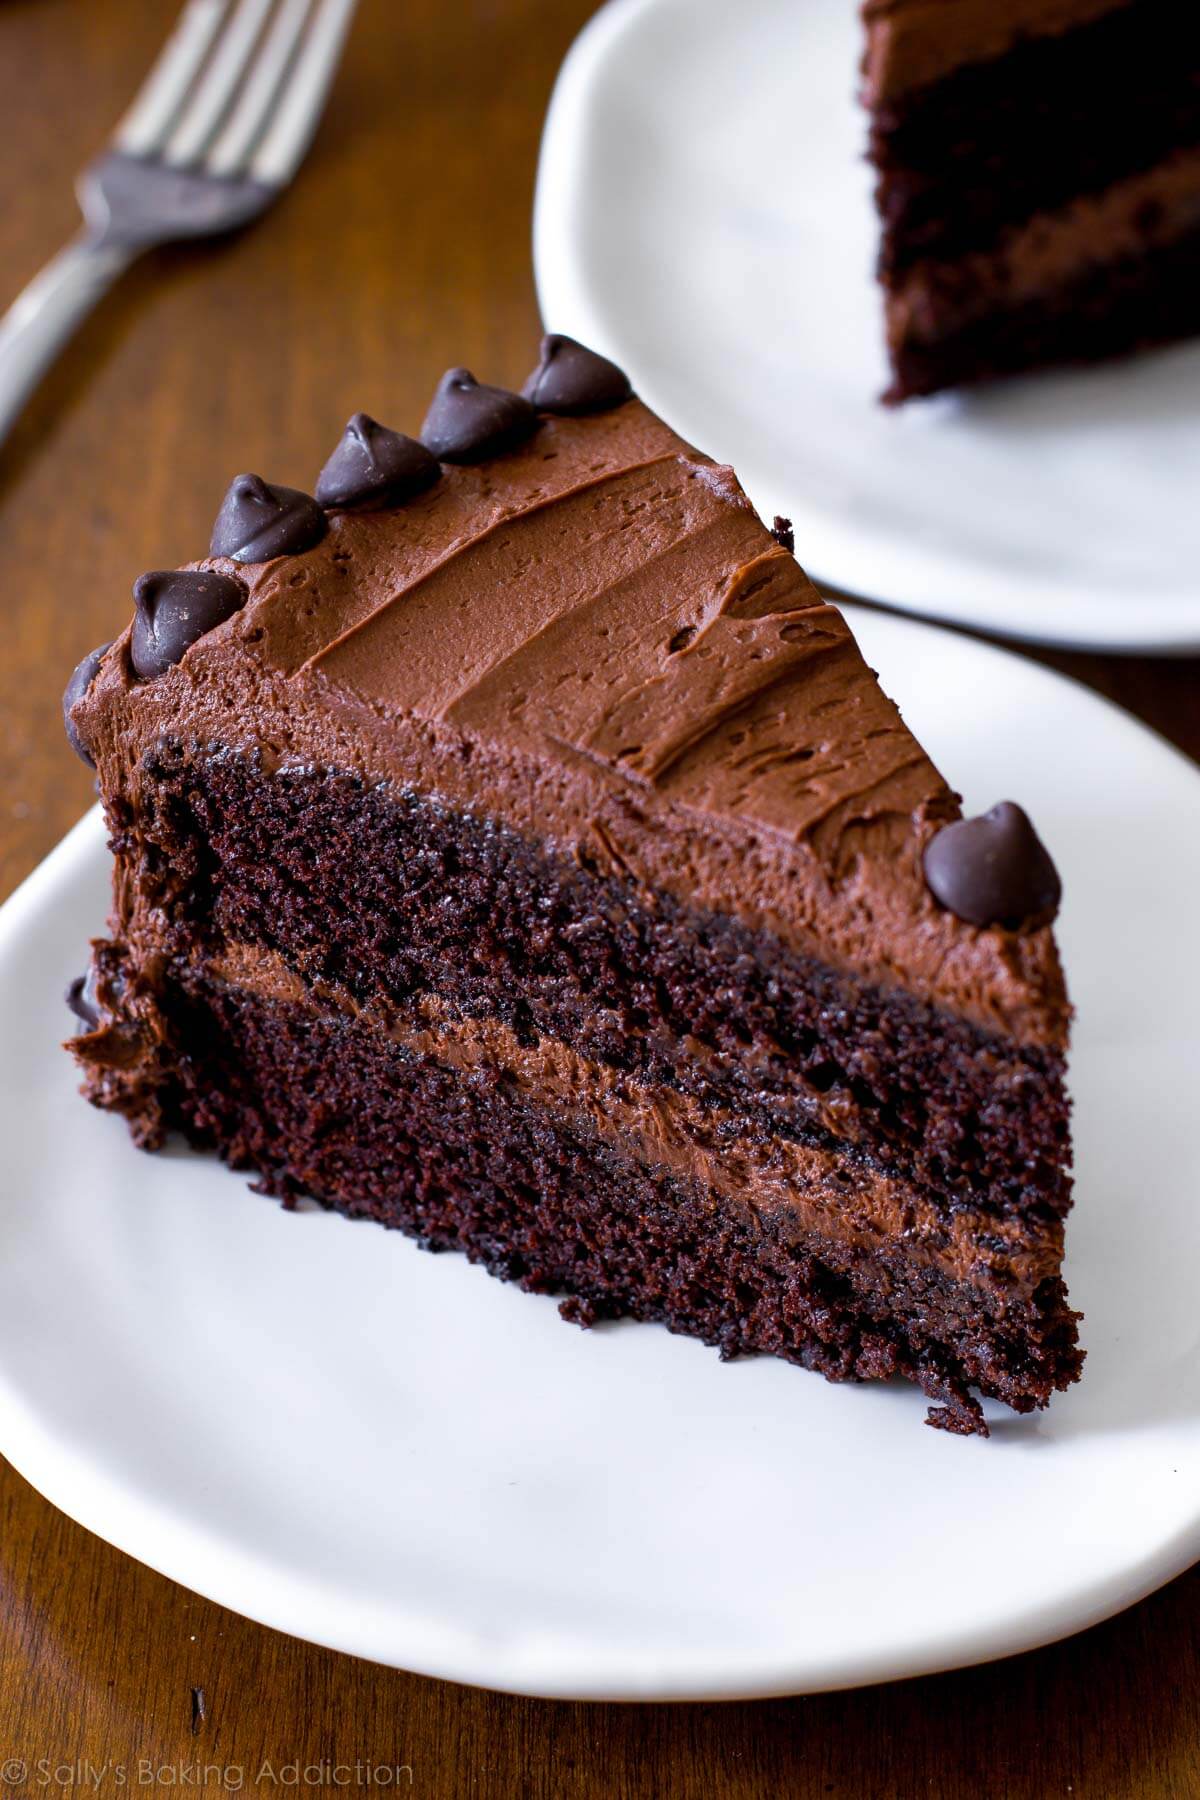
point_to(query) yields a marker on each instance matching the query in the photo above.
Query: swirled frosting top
(593, 638)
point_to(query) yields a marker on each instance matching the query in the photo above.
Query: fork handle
(46, 313)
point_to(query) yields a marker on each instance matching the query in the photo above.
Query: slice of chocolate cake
(1038, 166)
(512, 847)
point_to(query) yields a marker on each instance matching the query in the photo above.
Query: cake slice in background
(513, 847)
(1038, 181)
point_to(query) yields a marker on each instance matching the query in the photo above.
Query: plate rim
(568, 303)
(965, 1649)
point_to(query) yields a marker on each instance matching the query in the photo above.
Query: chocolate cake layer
(130, 1050)
(466, 1161)
(391, 897)
(991, 144)
(1107, 310)
(912, 43)
(1131, 221)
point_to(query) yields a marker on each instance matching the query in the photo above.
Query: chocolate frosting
(702, 1144)
(1130, 219)
(913, 42)
(596, 640)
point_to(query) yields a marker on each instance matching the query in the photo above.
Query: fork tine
(211, 96)
(252, 108)
(156, 104)
(290, 131)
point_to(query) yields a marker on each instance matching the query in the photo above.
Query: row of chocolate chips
(993, 869)
(372, 467)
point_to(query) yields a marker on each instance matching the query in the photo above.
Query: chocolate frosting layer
(595, 639)
(912, 42)
(707, 1146)
(1131, 218)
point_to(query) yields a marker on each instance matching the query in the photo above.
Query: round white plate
(704, 216)
(326, 1428)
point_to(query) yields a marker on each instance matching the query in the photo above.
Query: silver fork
(216, 132)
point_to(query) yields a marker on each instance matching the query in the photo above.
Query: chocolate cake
(1038, 181)
(512, 846)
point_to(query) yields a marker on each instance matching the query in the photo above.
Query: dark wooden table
(404, 248)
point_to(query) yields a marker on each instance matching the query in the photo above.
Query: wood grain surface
(403, 248)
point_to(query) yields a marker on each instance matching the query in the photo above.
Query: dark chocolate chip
(993, 870)
(374, 467)
(573, 379)
(175, 607)
(467, 421)
(81, 998)
(783, 534)
(258, 521)
(76, 688)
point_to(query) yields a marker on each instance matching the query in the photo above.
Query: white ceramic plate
(322, 1426)
(704, 215)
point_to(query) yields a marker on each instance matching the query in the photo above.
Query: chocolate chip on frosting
(573, 379)
(81, 998)
(373, 467)
(81, 680)
(993, 870)
(467, 421)
(175, 607)
(258, 521)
